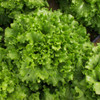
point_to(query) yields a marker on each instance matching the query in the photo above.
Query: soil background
(53, 4)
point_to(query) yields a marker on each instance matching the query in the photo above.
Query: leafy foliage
(92, 71)
(11, 8)
(45, 51)
(46, 55)
(85, 11)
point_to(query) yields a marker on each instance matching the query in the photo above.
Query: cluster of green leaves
(47, 55)
(87, 12)
(87, 84)
(11, 8)
(92, 71)
(44, 57)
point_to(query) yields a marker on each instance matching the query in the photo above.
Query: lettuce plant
(86, 12)
(11, 8)
(44, 55)
(92, 71)
(86, 82)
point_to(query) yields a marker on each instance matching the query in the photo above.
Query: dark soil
(53, 4)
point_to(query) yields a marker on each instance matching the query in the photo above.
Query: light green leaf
(96, 87)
